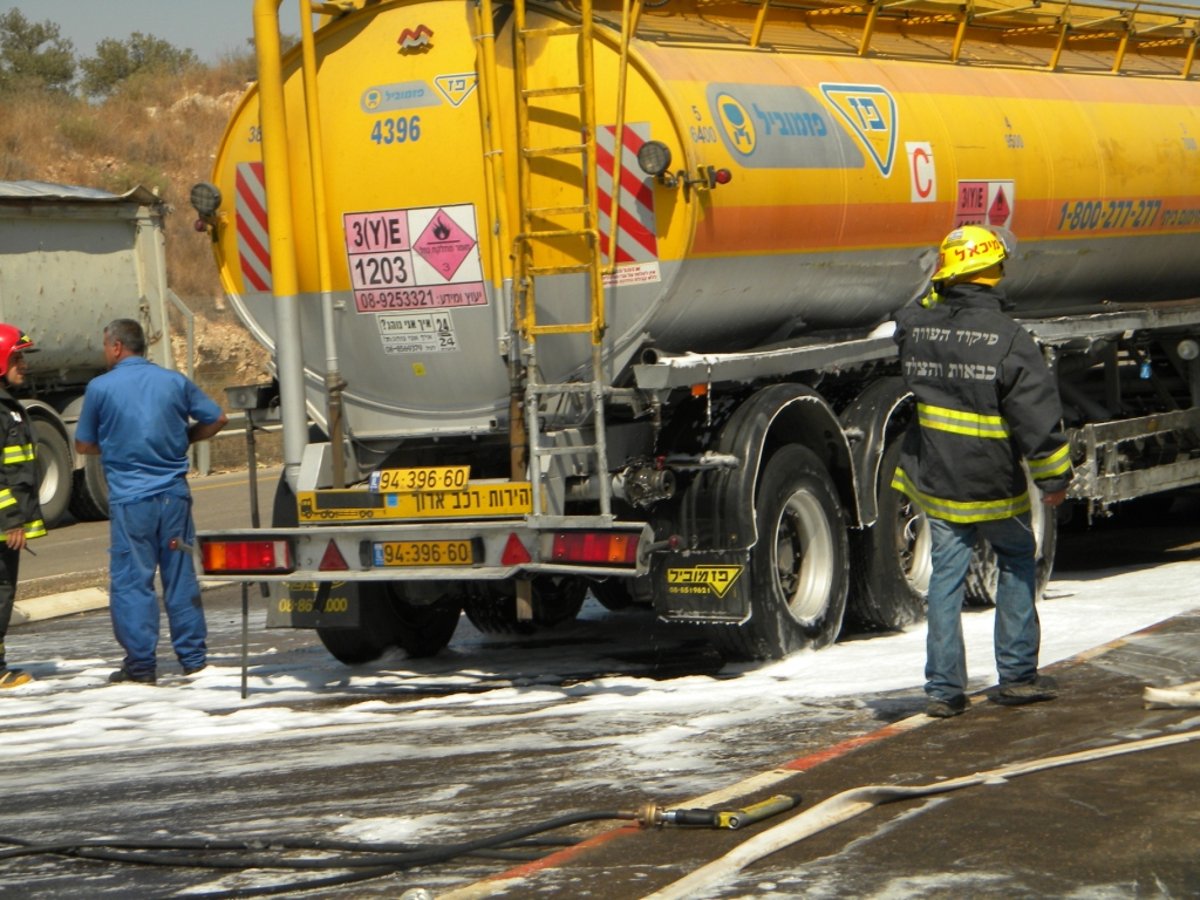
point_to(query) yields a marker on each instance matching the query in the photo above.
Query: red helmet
(12, 338)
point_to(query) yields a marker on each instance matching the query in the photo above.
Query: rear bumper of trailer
(424, 551)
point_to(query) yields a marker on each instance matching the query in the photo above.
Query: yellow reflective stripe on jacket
(19, 453)
(956, 421)
(6, 498)
(962, 511)
(34, 529)
(1057, 463)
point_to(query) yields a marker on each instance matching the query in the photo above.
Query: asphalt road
(75, 554)
(483, 738)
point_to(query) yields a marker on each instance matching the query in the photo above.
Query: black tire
(893, 560)
(983, 575)
(1149, 509)
(799, 568)
(55, 471)
(89, 494)
(370, 639)
(557, 599)
(612, 593)
(492, 608)
(387, 618)
(423, 629)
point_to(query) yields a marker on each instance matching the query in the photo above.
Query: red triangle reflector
(333, 561)
(514, 552)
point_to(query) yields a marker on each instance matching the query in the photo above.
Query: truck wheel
(89, 494)
(557, 599)
(54, 471)
(370, 639)
(983, 575)
(353, 646)
(421, 629)
(612, 593)
(799, 569)
(387, 618)
(492, 608)
(891, 577)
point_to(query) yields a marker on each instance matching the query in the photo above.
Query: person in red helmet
(20, 513)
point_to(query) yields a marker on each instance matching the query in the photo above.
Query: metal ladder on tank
(536, 230)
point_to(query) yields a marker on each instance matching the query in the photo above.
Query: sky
(208, 27)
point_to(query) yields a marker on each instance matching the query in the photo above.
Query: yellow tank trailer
(564, 284)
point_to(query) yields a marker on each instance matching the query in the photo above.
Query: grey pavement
(1124, 824)
(67, 571)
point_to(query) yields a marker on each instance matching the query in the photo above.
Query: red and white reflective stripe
(254, 247)
(636, 241)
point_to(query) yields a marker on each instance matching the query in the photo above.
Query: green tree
(32, 54)
(116, 62)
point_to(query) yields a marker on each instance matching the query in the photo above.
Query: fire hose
(357, 861)
(848, 804)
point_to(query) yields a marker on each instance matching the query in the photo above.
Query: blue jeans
(141, 533)
(1017, 635)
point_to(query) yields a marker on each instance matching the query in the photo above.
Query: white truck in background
(72, 259)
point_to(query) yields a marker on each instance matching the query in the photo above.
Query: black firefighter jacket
(985, 400)
(19, 478)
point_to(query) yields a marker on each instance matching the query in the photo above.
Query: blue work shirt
(139, 414)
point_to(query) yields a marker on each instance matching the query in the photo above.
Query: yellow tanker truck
(571, 297)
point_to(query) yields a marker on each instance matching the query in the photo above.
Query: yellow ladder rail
(532, 235)
(546, 246)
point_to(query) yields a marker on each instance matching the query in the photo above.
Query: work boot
(944, 709)
(192, 670)
(1043, 687)
(11, 678)
(123, 675)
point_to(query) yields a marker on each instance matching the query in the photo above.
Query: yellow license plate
(421, 478)
(424, 553)
(509, 498)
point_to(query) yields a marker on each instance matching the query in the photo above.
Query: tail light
(238, 557)
(606, 548)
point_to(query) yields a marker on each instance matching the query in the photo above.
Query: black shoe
(123, 674)
(1043, 687)
(945, 709)
(192, 670)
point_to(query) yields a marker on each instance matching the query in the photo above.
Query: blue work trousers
(1017, 635)
(141, 533)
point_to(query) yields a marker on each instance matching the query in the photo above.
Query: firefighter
(20, 513)
(985, 401)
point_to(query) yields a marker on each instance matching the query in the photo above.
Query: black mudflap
(702, 586)
(312, 604)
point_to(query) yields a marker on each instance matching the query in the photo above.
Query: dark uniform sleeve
(1030, 405)
(11, 514)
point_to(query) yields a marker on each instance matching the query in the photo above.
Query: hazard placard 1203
(414, 259)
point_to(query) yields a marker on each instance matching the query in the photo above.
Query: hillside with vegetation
(138, 112)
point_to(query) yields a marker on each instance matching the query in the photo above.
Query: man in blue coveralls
(140, 418)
